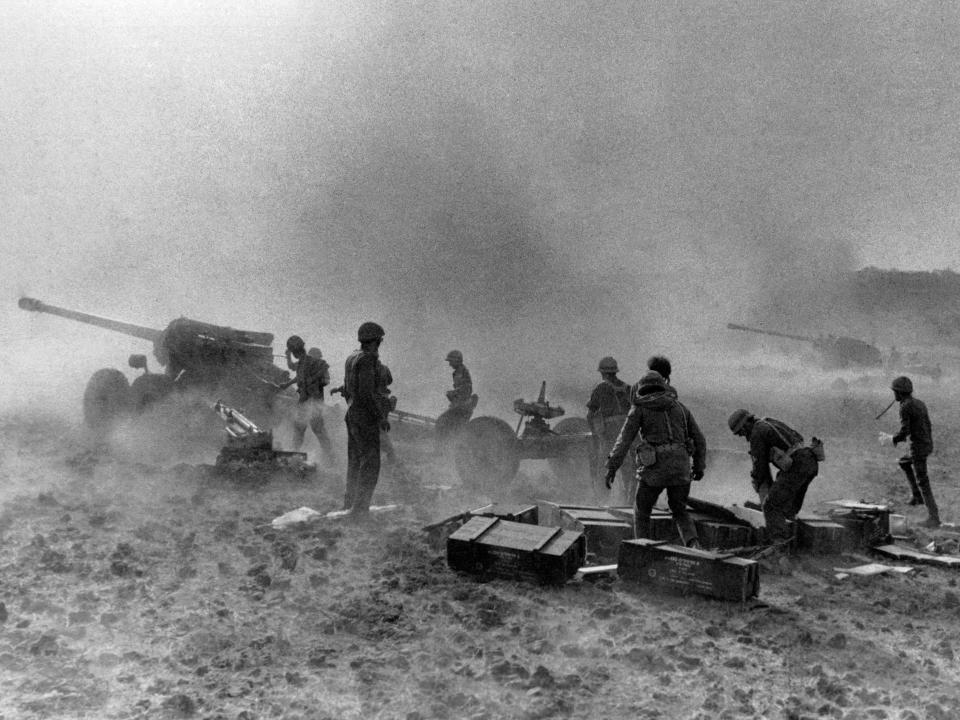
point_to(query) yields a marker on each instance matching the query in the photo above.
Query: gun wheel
(572, 463)
(106, 398)
(486, 454)
(148, 390)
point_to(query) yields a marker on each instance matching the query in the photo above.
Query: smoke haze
(538, 185)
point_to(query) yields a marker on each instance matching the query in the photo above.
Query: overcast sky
(552, 173)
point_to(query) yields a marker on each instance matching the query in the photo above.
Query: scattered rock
(180, 705)
(838, 641)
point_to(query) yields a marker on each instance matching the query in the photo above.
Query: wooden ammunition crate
(603, 529)
(822, 536)
(514, 512)
(865, 528)
(685, 570)
(516, 551)
(724, 535)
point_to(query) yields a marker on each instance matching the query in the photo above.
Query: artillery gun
(211, 359)
(489, 451)
(835, 352)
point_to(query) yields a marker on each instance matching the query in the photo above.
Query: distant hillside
(914, 307)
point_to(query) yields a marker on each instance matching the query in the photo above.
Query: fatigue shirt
(363, 380)
(660, 420)
(312, 375)
(610, 398)
(462, 387)
(763, 437)
(915, 425)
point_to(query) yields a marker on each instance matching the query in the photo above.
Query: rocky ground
(136, 589)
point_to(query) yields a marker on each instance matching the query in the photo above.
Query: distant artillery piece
(214, 360)
(488, 451)
(835, 352)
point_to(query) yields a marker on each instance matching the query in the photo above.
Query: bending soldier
(366, 417)
(311, 376)
(915, 427)
(773, 441)
(606, 412)
(461, 398)
(671, 453)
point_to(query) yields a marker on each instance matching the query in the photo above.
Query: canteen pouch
(781, 459)
(646, 454)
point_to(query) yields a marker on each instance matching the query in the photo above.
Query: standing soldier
(606, 412)
(669, 440)
(915, 427)
(461, 397)
(366, 417)
(773, 441)
(311, 375)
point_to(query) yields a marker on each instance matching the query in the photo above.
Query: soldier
(311, 375)
(383, 390)
(774, 441)
(366, 417)
(606, 412)
(660, 364)
(461, 397)
(669, 440)
(915, 426)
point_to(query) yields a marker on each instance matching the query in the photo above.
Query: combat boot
(907, 466)
(933, 513)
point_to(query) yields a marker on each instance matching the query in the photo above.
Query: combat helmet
(370, 331)
(295, 343)
(455, 355)
(608, 364)
(314, 352)
(738, 419)
(902, 384)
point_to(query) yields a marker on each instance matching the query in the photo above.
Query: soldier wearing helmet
(462, 400)
(311, 376)
(915, 427)
(773, 441)
(363, 388)
(672, 452)
(607, 410)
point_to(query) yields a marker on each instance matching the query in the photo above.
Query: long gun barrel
(126, 328)
(803, 338)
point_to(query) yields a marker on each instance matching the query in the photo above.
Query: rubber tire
(148, 390)
(572, 466)
(486, 454)
(106, 398)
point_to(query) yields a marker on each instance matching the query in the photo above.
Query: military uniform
(672, 452)
(915, 426)
(312, 375)
(461, 404)
(607, 410)
(363, 377)
(781, 497)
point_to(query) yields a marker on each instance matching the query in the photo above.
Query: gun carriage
(213, 360)
(489, 451)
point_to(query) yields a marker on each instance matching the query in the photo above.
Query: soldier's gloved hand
(609, 478)
(385, 425)
(696, 475)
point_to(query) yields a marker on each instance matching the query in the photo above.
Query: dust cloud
(537, 185)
